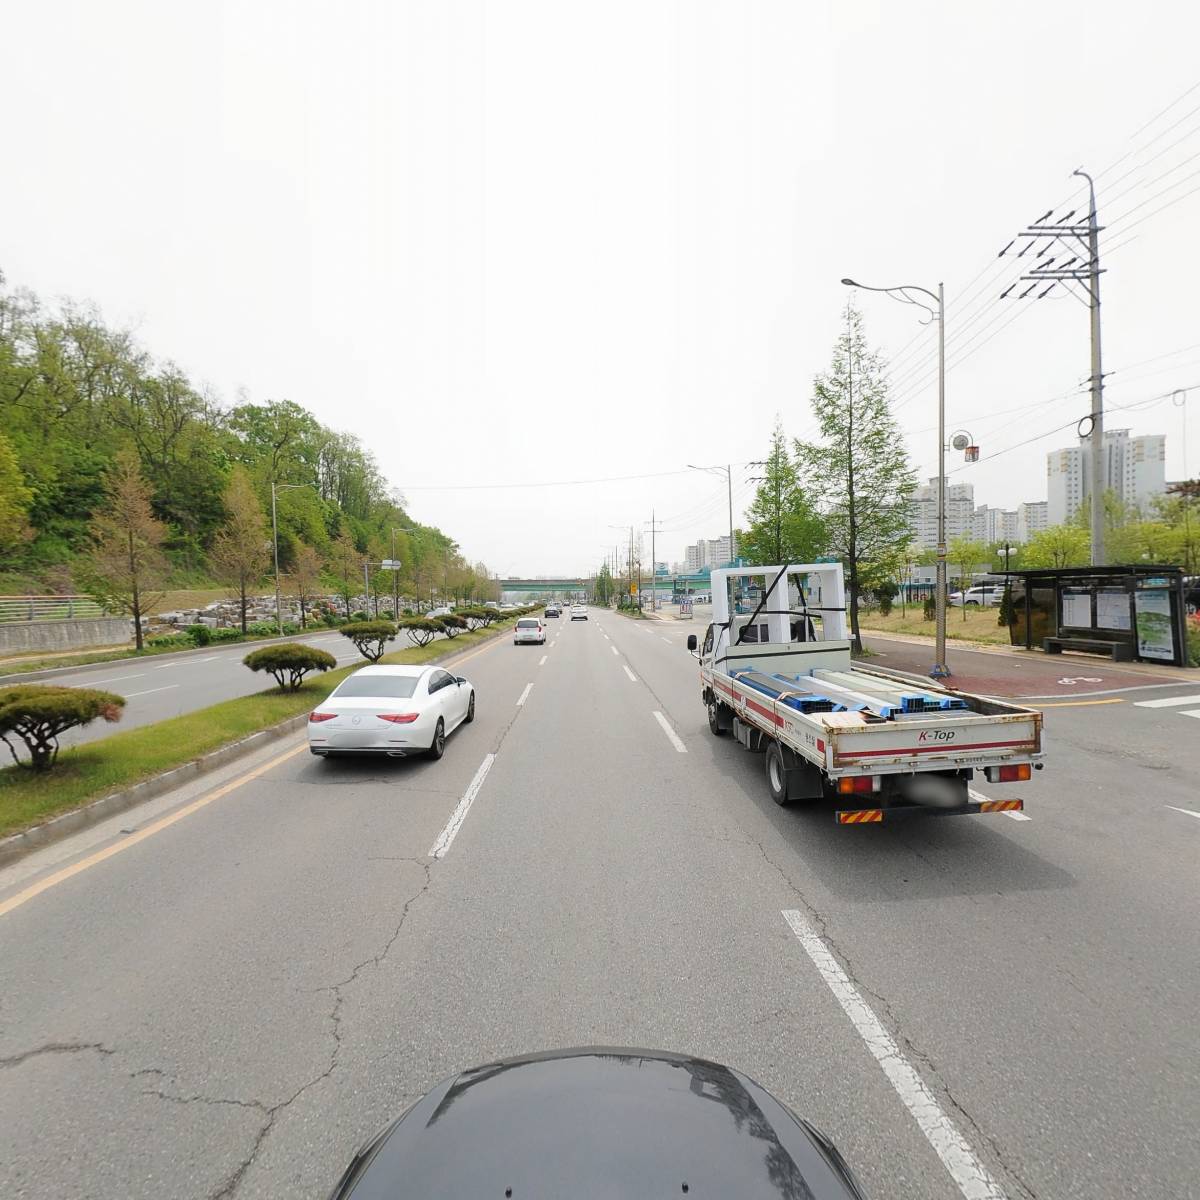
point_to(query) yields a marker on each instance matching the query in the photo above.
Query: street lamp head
(850, 283)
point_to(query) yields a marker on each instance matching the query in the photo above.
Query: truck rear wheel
(777, 780)
(717, 720)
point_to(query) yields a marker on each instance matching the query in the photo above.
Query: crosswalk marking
(1167, 702)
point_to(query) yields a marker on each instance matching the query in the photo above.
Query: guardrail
(48, 608)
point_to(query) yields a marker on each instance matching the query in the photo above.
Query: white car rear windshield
(527, 624)
(400, 687)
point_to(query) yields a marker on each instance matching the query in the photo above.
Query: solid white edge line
(1013, 813)
(525, 694)
(1190, 712)
(972, 1177)
(628, 672)
(672, 736)
(1182, 810)
(542, 660)
(439, 848)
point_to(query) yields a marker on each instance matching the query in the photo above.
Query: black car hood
(599, 1122)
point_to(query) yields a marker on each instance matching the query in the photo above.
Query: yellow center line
(1077, 703)
(150, 830)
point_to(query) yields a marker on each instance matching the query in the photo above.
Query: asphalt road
(169, 685)
(229, 1004)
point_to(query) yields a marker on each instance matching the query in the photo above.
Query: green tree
(304, 580)
(126, 566)
(1058, 546)
(857, 470)
(345, 564)
(289, 662)
(15, 499)
(1180, 511)
(783, 526)
(966, 553)
(605, 587)
(370, 638)
(242, 548)
(37, 713)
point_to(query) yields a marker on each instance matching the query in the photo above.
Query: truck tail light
(316, 717)
(858, 783)
(398, 718)
(1016, 773)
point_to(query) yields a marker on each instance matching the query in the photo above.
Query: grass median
(85, 773)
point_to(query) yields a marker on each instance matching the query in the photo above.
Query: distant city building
(1031, 519)
(709, 552)
(994, 524)
(960, 513)
(720, 551)
(1136, 470)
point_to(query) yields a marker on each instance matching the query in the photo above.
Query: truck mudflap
(874, 816)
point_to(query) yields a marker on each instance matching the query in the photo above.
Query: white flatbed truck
(776, 673)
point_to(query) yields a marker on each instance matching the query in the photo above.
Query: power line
(481, 487)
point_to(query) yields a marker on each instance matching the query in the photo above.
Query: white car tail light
(315, 717)
(398, 718)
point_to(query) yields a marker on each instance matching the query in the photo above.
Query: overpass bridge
(559, 586)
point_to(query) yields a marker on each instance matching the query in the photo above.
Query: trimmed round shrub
(37, 713)
(289, 662)
(474, 617)
(422, 630)
(199, 635)
(370, 638)
(453, 624)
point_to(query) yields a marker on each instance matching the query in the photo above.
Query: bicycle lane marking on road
(974, 1180)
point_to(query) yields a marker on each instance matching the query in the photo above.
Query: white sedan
(394, 710)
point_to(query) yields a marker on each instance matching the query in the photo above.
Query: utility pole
(653, 563)
(729, 484)
(1074, 249)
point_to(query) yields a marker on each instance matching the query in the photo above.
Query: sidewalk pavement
(1022, 674)
(1152, 670)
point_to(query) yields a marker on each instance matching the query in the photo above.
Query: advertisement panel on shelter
(1154, 631)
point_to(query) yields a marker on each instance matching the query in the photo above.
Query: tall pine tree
(856, 469)
(783, 526)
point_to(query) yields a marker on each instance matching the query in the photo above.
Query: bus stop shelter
(1129, 613)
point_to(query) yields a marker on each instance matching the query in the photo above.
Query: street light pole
(940, 669)
(727, 471)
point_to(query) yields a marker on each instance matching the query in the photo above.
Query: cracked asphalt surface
(232, 1006)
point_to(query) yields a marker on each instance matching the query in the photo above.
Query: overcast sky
(532, 243)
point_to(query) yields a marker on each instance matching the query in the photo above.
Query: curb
(18, 845)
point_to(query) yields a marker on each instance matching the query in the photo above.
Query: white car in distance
(579, 612)
(394, 710)
(529, 629)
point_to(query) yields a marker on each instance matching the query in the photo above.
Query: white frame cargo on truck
(776, 672)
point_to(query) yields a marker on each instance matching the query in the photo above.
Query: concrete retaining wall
(64, 635)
